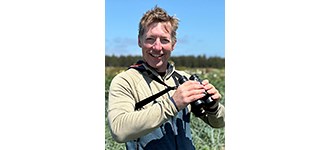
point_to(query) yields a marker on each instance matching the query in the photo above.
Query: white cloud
(122, 46)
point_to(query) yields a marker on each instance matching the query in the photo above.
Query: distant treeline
(180, 61)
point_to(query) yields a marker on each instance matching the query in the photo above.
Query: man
(163, 123)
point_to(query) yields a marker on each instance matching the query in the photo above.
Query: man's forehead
(166, 25)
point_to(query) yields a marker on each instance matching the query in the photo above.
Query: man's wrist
(171, 98)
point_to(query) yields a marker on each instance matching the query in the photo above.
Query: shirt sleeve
(127, 124)
(215, 119)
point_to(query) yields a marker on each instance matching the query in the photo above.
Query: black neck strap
(138, 66)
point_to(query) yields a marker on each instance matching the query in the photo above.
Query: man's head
(157, 37)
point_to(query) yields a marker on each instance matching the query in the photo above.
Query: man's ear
(173, 46)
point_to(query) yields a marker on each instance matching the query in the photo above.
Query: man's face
(157, 45)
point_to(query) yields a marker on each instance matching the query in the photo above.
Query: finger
(208, 87)
(192, 93)
(216, 96)
(205, 82)
(196, 97)
(192, 85)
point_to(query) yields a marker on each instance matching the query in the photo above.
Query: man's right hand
(188, 92)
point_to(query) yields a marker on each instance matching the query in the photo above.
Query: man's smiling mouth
(156, 55)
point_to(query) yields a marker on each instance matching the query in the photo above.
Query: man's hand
(191, 91)
(188, 92)
(210, 89)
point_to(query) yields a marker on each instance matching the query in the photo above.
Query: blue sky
(201, 28)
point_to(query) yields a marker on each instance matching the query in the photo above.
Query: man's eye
(165, 41)
(150, 40)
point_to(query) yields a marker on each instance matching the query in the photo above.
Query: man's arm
(215, 119)
(215, 115)
(127, 124)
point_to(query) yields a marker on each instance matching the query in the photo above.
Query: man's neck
(162, 74)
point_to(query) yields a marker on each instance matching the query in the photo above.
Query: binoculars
(198, 107)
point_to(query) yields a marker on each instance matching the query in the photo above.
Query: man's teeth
(155, 55)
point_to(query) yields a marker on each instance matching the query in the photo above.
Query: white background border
(52, 75)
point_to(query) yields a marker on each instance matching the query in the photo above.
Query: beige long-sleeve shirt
(130, 87)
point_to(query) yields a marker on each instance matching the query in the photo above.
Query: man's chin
(157, 66)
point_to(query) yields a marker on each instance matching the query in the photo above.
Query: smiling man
(157, 45)
(149, 108)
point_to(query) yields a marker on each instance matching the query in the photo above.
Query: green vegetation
(204, 137)
(180, 61)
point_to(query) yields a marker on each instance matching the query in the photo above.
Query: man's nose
(157, 45)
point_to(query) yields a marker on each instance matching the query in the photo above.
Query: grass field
(204, 137)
